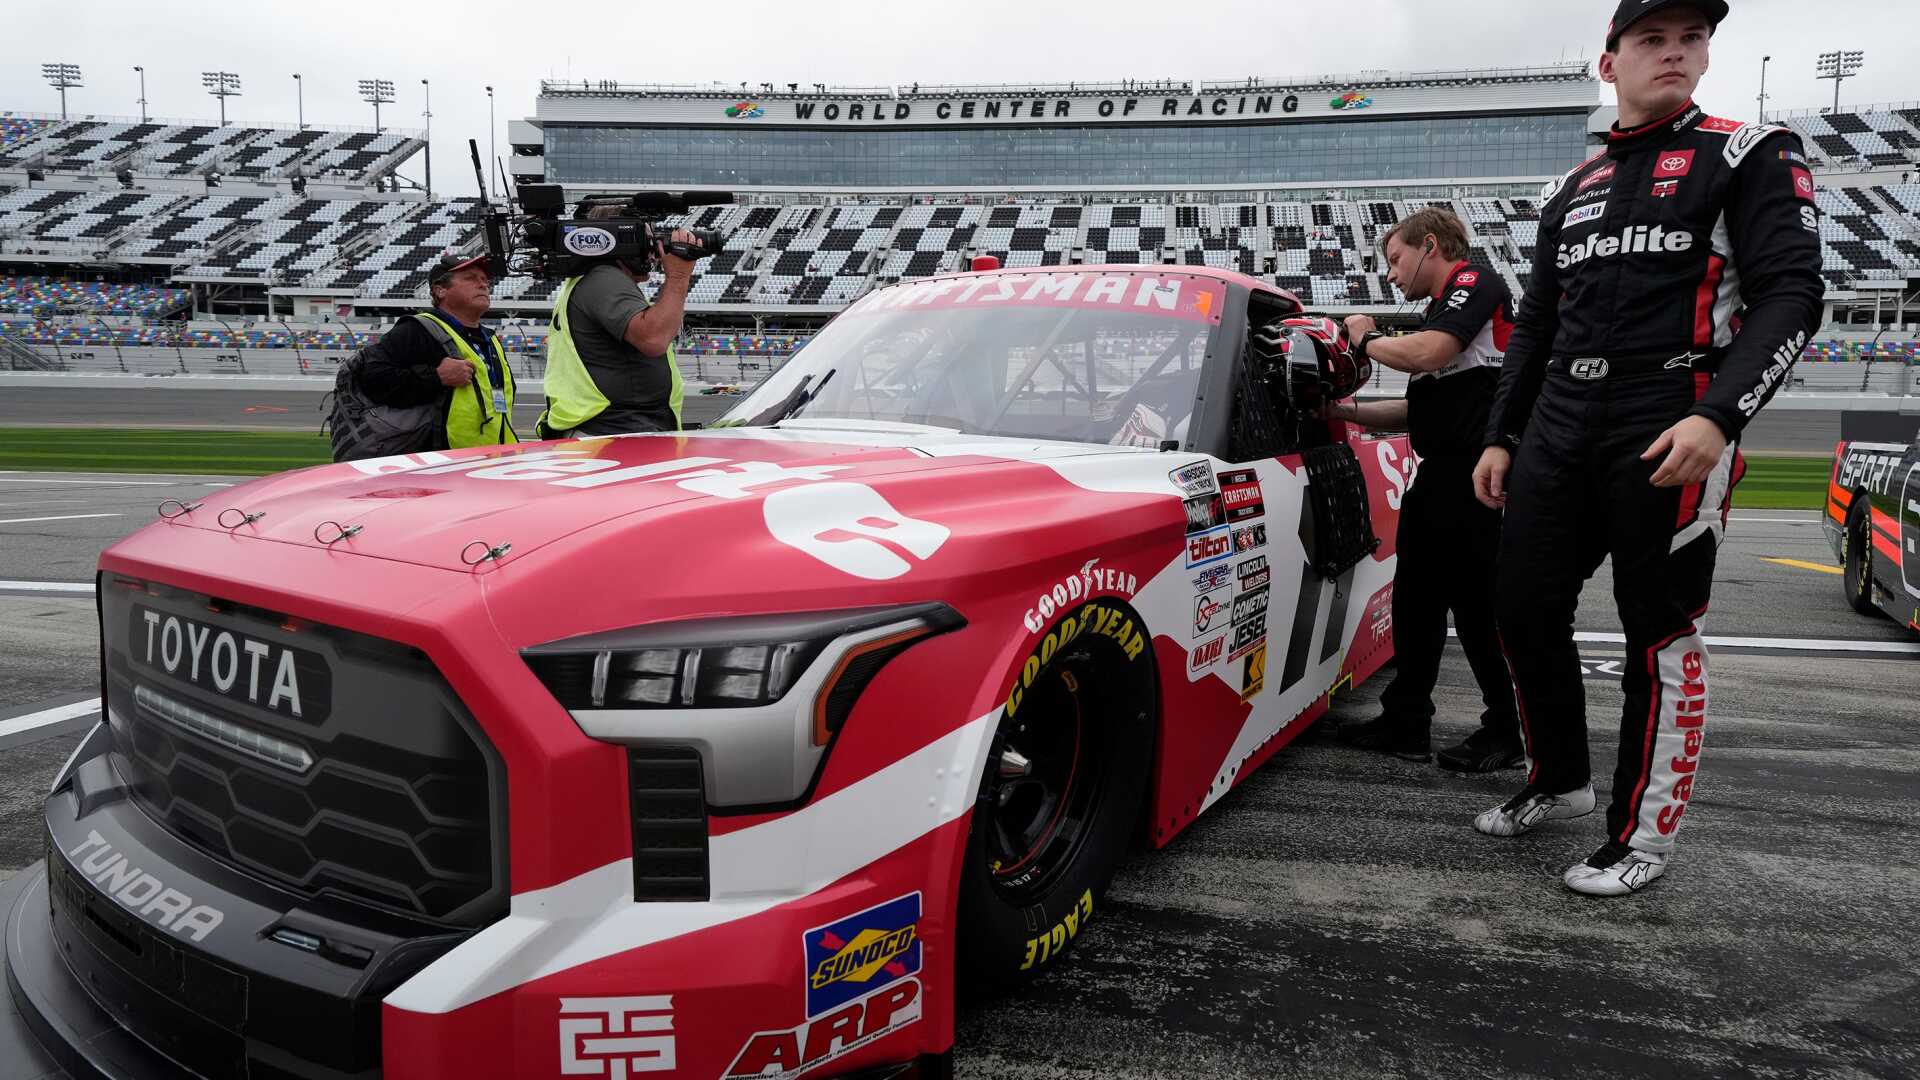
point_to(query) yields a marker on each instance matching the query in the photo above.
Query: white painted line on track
(110, 483)
(1776, 521)
(56, 715)
(1776, 644)
(61, 517)
(48, 586)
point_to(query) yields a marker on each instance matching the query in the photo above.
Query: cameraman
(610, 363)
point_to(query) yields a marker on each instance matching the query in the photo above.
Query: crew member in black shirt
(1447, 540)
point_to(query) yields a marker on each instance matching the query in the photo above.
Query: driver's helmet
(1342, 373)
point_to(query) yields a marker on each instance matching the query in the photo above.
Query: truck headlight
(760, 697)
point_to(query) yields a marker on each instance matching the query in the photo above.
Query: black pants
(1446, 546)
(1578, 493)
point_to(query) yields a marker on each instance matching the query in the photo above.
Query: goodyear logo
(861, 953)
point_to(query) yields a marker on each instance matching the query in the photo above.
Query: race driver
(1446, 540)
(1675, 282)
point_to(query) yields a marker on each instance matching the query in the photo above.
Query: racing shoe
(1531, 807)
(1388, 735)
(1616, 870)
(1484, 751)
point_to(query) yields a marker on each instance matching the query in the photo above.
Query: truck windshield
(1110, 357)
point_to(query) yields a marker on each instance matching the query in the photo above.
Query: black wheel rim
(1856, 565)
(1042, 787)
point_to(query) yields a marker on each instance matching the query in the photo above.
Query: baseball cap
(451, 264)
(1632, 11)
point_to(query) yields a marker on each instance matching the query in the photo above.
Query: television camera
(539, 241)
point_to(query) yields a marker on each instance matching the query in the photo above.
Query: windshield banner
(1174, 296)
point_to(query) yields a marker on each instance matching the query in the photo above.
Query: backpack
(361, 428)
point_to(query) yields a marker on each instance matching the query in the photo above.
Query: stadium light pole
(492, 154)
(299, 102)
(1763, 88)
(61, 76)
(143, 91)
(373, 92)
(427, 89)
(223, 85)
(1838, 66)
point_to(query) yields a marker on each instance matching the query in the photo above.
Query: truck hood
(446, 510)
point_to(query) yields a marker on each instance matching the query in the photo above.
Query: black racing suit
(1446, 539)
(1632, 320)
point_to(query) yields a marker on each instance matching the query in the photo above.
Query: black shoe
(1388, 735)
(1484, 751)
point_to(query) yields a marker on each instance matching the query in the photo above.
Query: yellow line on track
(1802, 565)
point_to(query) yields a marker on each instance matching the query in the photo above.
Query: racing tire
(1060, 801)
(1856, 567)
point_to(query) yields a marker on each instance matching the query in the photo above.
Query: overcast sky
(463, 47)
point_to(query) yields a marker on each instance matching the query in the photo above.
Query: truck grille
(369, 782)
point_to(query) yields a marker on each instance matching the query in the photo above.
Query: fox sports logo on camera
(588, 241)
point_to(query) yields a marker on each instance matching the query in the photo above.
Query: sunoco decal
(862, 952)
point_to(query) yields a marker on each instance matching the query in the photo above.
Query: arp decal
(1250, 537)
(1212, 610)
(1209, 547)
(1050, 944)
(1240, 491)
(616, 1036)
(1095, 617)
(1253, 573)
(862, 952)
(1203, 513)
(1253, 677)
(1194, 479)
(782, 1054)
(1091, 579)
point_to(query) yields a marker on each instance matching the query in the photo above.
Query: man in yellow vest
(445, 354)
(610, 362)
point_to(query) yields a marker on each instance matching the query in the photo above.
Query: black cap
(450, 264)
(1632, 11)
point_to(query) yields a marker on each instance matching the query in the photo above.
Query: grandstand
(242, 238)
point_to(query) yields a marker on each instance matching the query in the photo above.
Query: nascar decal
(1203, 513)
(1106, 620)
(1212, 546)
(1240, 492)
(1194, 479)
(1091, 579)
(1049, 944)
(1253, 677)
(1250, 537)
(781, 1054)
(862, 952)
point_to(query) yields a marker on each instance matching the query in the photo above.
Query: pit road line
(61, 517)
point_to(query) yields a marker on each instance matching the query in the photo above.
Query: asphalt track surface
(1777, 430)
(1337, 916)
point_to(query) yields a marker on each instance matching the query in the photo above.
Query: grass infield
(1771, 483)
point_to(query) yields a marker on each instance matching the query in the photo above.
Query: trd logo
(616, 1036)
(1588, 367)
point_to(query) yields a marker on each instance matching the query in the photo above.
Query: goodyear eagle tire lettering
(1062, 795)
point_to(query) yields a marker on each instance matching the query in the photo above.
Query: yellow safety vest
(573, 398)
(472, 418)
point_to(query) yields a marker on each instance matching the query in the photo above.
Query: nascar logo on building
(861, 953)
